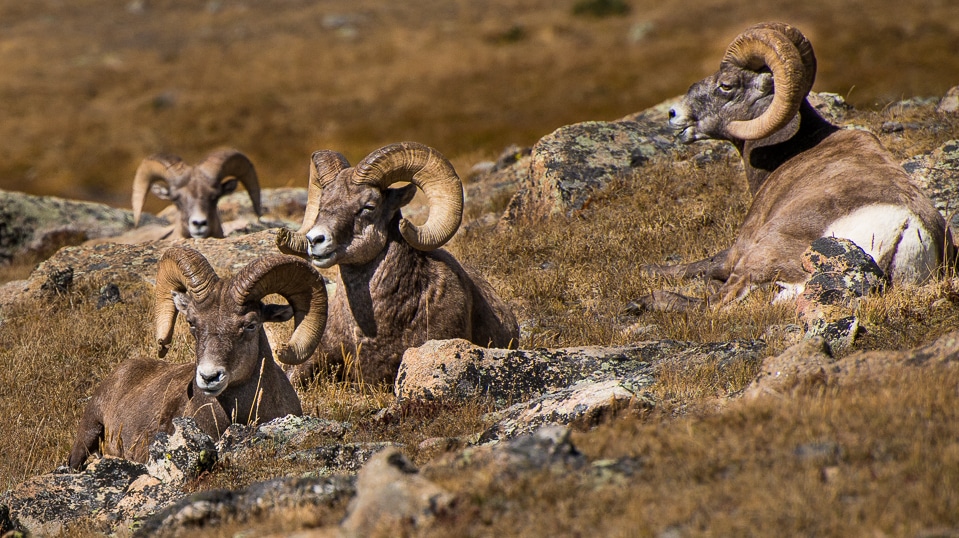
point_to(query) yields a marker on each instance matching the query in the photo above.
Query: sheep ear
(180, 300)
(228, 186)
(160, 190)
(400, 197)
(277, 312)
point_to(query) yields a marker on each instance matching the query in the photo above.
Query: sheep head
(764, 77)
(226, 315)
(352, 210)
(195, 190)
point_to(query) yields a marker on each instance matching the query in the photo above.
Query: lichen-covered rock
(582, 405)
(121, 264)
(567, 165)
(458, 369)
(288, 432)
(209, 508)
(182, 455)
(937, 172)
(42, 505)
(802, 366)
(345, 458)
(39, 225)
(392, 496)
(840, 273)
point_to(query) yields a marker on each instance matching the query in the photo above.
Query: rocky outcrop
(572, 386)
(937, 172)
(566, 166)
(840, 273)
(36, 226)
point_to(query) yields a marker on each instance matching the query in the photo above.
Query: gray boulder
(572, 386)
(36, 226)
(937, 172)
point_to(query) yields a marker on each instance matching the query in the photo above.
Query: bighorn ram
(234, 379)
(195, 190)
(808, 178)
(394, 289)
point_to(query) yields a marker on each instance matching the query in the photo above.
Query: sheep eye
(725, 87)
(249, 327)
(367, 209)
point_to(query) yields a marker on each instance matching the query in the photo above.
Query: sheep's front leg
(664, 301)
(713, 267)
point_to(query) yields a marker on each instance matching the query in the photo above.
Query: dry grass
(92, 87)
(470, 78)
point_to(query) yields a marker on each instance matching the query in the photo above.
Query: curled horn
(324, 166)
(226, 163)
(761, 46)
(159, 167)
(180, 269)
(303, 289)
(433, 174)
(805, 52)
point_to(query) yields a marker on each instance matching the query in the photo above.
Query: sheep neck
(239, 401)
(762, 157)
(393, 270)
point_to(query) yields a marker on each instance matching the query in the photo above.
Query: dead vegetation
(877, 459)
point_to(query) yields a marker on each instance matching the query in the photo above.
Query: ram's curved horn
(290, 242)
(303, 289)
(227, 162)
(324, 166)
(805, 52)
(159, 167)
(754, 49)
(180, 269)
(433, 174)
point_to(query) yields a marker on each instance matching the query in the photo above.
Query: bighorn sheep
(394, 289)
(195, 190)
(808, 178)
(234, 378)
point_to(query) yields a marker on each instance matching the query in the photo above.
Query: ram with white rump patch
(808, 178)
(234, 377)
(395, 288)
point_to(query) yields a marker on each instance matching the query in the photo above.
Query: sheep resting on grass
(234, 378)
(395, 288)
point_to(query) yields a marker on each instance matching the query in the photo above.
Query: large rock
(569, 164)
(36, 226)
(937, 172)
(44, 504)
(573, 386)
(391, 495)
(122, 264)
(458, 369)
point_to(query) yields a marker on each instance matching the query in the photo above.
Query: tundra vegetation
(700, 472)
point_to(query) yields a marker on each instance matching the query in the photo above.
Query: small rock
(950, 102)
(391, 494)
(841, 273)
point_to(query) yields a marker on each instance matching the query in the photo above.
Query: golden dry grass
(92, 87)
(110, 86)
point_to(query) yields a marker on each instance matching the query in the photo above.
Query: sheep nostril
(318, 240)
(212, 379)
(199, 223)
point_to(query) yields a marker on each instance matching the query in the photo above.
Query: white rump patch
(894, 237)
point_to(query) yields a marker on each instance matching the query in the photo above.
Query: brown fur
(142, 396)
(803, 177)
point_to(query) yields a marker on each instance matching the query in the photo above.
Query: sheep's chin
(325, 261)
